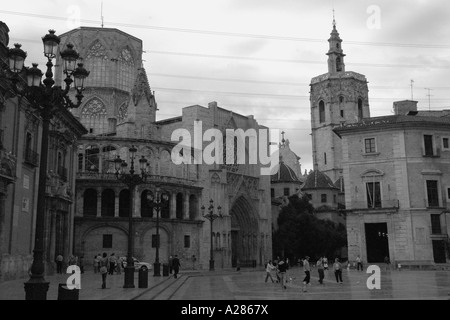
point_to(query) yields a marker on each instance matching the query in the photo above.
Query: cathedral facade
(119, 111)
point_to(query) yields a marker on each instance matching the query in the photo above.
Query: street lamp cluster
(211, 216)
(133, 179)
(47, 99)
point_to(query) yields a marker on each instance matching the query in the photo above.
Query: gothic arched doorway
(244, 231)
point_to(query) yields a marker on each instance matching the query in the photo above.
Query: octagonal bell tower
(336, 97)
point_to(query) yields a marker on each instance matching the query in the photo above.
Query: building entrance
(377, 242)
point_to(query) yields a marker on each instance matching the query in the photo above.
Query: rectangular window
(370, 145)
(107, 241)
(448, 194)
(342, 113)
(323, 198)
(334, 198)
(436, 224)
(445, 143)
(373, 194)
(286, 192)
(325, 157)
(272, 192)
(428, 144)
(432, 193)
(155, 241)
(187, 241)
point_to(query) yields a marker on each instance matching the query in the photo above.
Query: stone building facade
(397, 175)
(20, 149)
(119, 113)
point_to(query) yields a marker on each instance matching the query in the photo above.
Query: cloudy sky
(257, 57)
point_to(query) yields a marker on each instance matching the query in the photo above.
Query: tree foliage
(300, 233)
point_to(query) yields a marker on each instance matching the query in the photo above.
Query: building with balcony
(397, 196)
(20, 149)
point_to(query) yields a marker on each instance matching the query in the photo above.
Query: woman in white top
(269, 268)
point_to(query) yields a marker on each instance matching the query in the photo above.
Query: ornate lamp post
(211, 216)
(131, 179)
(157, 203)
(47, 99)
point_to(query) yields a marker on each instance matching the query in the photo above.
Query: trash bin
(64, 293)
(165, 270)
(143, 278)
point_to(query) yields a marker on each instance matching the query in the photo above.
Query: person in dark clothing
(170, 264)
(282, 268)
(176, 266)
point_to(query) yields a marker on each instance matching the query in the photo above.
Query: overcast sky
(257, 57)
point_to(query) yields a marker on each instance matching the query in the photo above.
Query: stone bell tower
(336, 97)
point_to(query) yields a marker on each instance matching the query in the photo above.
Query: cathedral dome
(318, 180)
(284, 174)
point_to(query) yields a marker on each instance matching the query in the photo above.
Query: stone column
(116, 204)
(186, 206)
(99, 203)
(173, 206)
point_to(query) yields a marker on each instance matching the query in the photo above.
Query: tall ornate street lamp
(47, 99)
(157, 203)
(131, 179)
(211, 216)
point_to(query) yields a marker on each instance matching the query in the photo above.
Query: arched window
(122, 113)
(126, 71)
(93, 116)
(96, 60)
(108, 203)
(90, 202)
(165, 210)
(80, 162)
(179, 207)
(124, 203)
(321, 111)
(338, 64)
(146, 210)
(360, 109)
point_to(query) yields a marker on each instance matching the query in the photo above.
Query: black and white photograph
(225, 155)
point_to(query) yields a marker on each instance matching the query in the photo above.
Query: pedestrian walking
(320, 269)
(348, 265)
(96, 263)
(59, 263)
(307, 270)
(104, 269)
(337, 267)
(282, 272)
(176, 265)
(170, 264)
(238, 265)
(269, 268)
(119, 265)
(359, 263)
(112, 263)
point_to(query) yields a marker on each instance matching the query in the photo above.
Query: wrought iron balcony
(31, 157)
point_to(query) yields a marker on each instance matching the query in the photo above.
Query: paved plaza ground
(248, 284)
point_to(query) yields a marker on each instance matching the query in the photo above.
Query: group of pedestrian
(280, 266)
(73, 260)
(113, 264)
